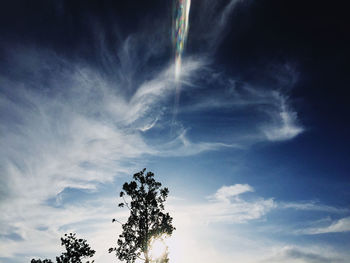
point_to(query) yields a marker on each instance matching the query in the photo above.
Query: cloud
(273, 118)
(44, 225)
(224, 16)
(312, 206)
(225, 192)
(201, 233)
(208, 28)
(67, 128)
(227, 206)
(286, 125)
(299, 255)
(70, 124)
(338, 226)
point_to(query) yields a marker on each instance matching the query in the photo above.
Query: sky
(251, 139)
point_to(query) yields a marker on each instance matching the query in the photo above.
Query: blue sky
(255, 158)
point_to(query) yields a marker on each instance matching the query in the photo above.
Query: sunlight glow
(158, 248)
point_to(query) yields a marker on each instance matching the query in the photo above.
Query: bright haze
(256, 157)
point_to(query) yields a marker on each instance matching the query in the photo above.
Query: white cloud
(312, 206)
(75, 133)
(225, 14)
(315, 254)
(209, 27)
(201, 234)
(285, 125)
(274, 118)
(341, 225)
(225, 192)
(226, 206)
(40, 226)
(71, 125)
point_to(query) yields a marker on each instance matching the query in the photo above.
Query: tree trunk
(147, 258)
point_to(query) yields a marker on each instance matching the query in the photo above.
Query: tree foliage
(41, 261)
(147, 220)
(76, 251)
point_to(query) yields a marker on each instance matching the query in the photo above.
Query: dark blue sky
(256, 152)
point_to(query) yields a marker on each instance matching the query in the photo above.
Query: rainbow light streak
(180, 30)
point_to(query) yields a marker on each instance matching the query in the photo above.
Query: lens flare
(181, 14)
(180, 31)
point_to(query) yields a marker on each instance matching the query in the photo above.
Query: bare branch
(126, 203)
(116, 220)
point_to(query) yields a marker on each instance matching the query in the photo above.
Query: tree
(146, 222)
(41, 261)
(76, 250)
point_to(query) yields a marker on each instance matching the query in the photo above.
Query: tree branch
(141, 258)
(126, 203)
(116, 220)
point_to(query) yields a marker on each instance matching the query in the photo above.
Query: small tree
(41, 261)
(146, 222)
(76, 250)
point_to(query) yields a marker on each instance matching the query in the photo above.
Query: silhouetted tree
(147, 220)
(76, 250)
(41, 261)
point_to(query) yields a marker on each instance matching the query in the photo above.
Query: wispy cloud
(285, 125)
(45, 224)
(238, 203)
(227, 206)
(301, 255)
(226, 192)
(71, 124)
(313, 206)
(338, 226)
(238, 210)
(214, 18)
